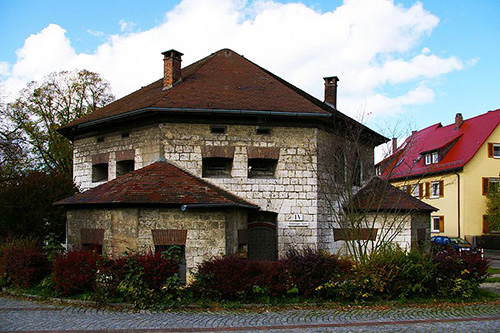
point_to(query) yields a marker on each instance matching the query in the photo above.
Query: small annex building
(380, 212)
(156, 207)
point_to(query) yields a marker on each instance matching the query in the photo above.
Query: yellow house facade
(451, 168)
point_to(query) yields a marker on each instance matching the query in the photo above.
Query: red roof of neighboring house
(222, 83)
(379, 195)
(456, 147)
(159, 184)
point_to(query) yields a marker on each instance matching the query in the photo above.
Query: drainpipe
(458, 202)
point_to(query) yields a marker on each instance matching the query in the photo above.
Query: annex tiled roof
(158, 184)
(224, 80)
(379, 195)
(456, 146)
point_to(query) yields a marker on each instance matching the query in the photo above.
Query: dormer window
(431, 158)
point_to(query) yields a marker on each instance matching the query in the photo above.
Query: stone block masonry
(291, 193)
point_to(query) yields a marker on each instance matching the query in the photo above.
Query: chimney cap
(331, 79)
(172, 53)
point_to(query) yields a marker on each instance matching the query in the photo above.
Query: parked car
(456, 243)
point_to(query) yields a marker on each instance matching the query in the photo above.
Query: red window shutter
(486, 183)
(486, 225)
(421, 190)
(427, 190)
(490, 149)
(441, 188)
(441, 224)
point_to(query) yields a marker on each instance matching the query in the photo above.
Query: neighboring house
(450, 167)
(240, 155)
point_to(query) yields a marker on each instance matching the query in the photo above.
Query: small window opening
(263, 130)
(261, 167)
(218, 129)
(217, 167)
(496, 150)
(435, 224)
(125, 135)
(123, 167)
(99, 172)
(435, 190)
(100, 139)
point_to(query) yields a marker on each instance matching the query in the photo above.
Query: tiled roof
(224, 80)
(379, 195)
(159, 184)
(222, 83)
(457, 147)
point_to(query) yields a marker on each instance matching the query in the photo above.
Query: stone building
(257, 140)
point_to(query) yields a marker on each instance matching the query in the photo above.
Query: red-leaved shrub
(157, 268)
(311, 268)
(227, 277)
(23, 262)
(274, 277)
(75, 271)
(459, 273)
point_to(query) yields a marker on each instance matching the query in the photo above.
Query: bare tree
(364, 211)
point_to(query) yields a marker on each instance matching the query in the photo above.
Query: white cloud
(95, 33)
(369, 44)
(126, 26)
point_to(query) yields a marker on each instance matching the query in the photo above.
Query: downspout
(458, 203)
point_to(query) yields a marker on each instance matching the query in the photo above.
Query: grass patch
(492, 270)
(493, 280)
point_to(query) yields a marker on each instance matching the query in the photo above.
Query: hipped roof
(158, 184)
(379, 195)
(222, 83)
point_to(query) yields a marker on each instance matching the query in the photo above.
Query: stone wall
(292, 193)
(209, 232)
(330, 194)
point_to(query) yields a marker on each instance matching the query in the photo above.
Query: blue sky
(402, 64)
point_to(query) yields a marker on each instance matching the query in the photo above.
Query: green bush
(389, 273)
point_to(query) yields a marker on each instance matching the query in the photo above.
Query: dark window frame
(100, 172)
(217, 167)
(262, 167)
(124, 167)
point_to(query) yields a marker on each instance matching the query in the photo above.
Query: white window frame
(415, 190)
(433, 223)
(496, 154)
(435, 157)
(427, 159)
(434, 190)
(492, 181)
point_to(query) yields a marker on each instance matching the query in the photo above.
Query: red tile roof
(379, 195)
(456, 146)
(224, 80)
(222, 83)
(159, 184)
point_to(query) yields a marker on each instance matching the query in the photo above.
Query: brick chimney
(394, 145)
(331, 90)
(171, 68)
(459, 120)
